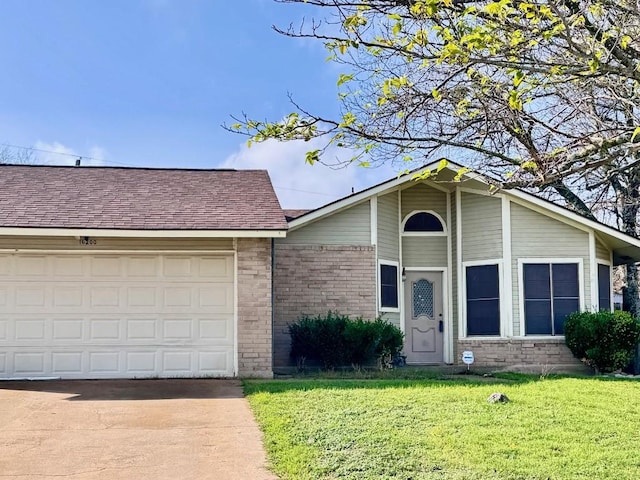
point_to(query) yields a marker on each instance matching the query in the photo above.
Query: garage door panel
(142, 330)
(64, 266)
(141, 362)
(101, 330)
(68, 296)
(107, 316)
(106, 267)
(63, 363)
(105, 363)
(216, 269)
(138, 267)
(4, 367)
(32, 265)
(30, 363)
(215, 329)
(104, 296)
(65, 330)
(177, 267)
(177, 362)
(27, 296)
(214, 362)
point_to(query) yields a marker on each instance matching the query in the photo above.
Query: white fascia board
(93, 232)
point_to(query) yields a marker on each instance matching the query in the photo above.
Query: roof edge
(97, 232)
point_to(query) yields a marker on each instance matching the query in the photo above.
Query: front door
(424, 323)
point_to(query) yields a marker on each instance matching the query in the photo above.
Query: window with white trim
(551, 292)
(388, 279)
(604, 287)
(483, 300)
(423, 223)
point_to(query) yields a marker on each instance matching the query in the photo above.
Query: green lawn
(555, 428)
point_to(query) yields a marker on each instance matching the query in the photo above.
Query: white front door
(424, 322)
(116, 316)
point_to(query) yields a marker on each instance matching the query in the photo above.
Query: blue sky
(149, 82)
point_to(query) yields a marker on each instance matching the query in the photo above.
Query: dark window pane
(537, 317)
(423, 222)
(389, 286)
(483, 300)
(482, 282)
(565, 280)
(604, 286)
(483, 317)
(536, 281)
(561, 308)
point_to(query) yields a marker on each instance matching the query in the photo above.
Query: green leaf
(343, 78)
(312, 157)
(442, 165)
(636, 132)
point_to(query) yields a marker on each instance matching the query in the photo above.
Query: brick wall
(254, 307)
(312, 279)
(550, 354)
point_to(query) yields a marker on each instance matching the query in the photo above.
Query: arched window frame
(443, 233)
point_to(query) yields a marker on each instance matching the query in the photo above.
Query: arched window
(423, 222)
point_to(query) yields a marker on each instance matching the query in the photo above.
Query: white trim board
(392, 263)
(93, 232)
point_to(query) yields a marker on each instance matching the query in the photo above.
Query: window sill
(388, 310)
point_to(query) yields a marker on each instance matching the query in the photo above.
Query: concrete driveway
(129, 429)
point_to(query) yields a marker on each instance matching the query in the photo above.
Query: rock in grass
(498, 398)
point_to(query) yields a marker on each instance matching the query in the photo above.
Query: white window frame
(610, 265)
(392, 263)
(443, 233)
(548, 261)
(501, 291)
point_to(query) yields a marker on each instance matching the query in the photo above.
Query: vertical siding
(482, 227)
(536, 235)
(348, 227)
(424, 251)
(388, 237)
(424, 197)
(602, 252)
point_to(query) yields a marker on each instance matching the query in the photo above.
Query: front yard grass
(553, 428)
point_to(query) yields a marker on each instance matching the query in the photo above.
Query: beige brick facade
(312, 279)
(254, 307)
(550, 354)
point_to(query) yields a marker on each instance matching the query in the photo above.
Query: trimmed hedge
(604, 340)
(336, 340)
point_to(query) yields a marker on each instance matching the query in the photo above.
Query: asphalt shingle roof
(137, 199)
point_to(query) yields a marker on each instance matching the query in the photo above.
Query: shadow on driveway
(164, 389)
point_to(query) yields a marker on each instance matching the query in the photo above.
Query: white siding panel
(424, 197)
(347, 227)
(388, 225)
(424, 251)
(482, 227)
(602, 252)
(536, 235)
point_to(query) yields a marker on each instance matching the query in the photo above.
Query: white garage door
(116, 316)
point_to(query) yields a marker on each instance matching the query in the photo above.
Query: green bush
(605, 341)
(335, 340)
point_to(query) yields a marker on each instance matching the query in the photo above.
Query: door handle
(441, 326)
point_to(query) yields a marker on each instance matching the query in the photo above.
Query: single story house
(131, 272)
(455, 266)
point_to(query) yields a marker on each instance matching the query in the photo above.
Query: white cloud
(56, 153)
(298, 184)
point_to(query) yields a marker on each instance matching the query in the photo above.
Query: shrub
(335, 340)
(605, 341)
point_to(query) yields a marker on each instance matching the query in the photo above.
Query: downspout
(273, 309)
